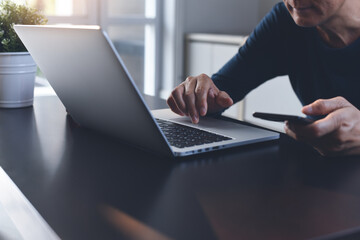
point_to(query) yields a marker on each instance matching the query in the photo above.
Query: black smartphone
(284, 117)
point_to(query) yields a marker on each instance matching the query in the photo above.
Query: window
(133, 26)
(60, 8)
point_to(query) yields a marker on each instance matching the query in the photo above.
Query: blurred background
(164, 41)
(142, 30)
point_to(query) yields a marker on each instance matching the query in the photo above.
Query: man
(316, 43)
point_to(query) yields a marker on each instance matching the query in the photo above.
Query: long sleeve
(261, 58)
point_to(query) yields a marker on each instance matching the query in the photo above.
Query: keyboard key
(181, 136)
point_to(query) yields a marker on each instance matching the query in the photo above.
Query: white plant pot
(17, 80)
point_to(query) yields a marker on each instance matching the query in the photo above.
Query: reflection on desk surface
(305, 212)
(90, 186)
(18, 218)
(275, 201)
(8, 230)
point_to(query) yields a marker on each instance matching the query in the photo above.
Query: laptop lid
(87, 74)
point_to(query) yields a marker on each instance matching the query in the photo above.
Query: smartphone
(284, 117)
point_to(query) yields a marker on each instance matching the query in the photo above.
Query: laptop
(91, 80)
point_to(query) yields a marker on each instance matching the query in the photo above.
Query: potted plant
(17, 68)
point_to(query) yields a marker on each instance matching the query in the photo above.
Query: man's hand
(197, 96)
(336, 134)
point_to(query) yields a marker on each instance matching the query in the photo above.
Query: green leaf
(5, 41)
(11, 14)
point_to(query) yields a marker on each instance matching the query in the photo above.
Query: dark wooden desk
(88, 186)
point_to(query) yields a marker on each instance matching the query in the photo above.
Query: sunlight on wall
(140, 33)
(18, 1)
(64, 7)
(57, 7)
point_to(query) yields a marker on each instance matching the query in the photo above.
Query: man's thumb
(325, 106)
(224, 100)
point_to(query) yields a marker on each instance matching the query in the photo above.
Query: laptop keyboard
(181, 136)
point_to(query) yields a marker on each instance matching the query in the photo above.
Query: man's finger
(172, 104)
(294, 132)
(178, 96)
(320, 128)
(327, 125)
(289, 132)
(325, 106)
(189, 98)
(201, 91)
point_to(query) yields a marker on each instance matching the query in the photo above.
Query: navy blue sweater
(278, 47)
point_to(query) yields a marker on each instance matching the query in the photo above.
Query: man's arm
(263, 56)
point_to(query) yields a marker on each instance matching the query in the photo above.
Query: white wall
(220, 16)
(265, 6)
(224, 16)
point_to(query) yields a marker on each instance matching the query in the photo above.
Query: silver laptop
(91, 80)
